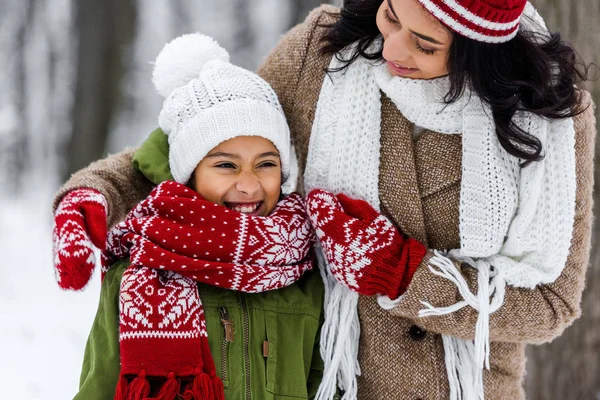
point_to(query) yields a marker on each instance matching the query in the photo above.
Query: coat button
(417, 333)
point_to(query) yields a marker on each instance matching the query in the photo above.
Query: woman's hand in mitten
(363, 249)
(79, 225)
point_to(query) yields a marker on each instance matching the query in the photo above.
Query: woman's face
(243, 174)
(416, 44)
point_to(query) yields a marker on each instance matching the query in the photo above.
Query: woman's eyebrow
(424, 37)
(427, 38)
(389, 2)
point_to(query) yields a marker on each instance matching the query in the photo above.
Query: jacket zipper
(227, 338)
(246, 344)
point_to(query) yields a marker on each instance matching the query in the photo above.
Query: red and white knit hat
(491, 21)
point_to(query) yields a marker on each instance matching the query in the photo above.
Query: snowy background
(75, 85)
(43, 329)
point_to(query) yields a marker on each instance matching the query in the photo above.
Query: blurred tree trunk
(15, 130)
(18, 151)
(244, 38)
(569, 367)
(104, 33)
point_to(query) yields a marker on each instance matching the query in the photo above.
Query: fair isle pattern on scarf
(515, 224)
(174, 238)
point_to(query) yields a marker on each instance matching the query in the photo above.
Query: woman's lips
(401, 69)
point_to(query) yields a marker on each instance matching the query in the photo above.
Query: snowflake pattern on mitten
(363, 249)
(79, 228)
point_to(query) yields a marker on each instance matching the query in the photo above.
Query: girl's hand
(79, 225)
(364, 250)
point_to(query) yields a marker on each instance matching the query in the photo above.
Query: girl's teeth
(246, 209)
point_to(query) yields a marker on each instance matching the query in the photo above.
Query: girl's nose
(248, 184)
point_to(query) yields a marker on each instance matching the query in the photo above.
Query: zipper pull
(227, 324)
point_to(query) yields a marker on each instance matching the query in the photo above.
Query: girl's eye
(225, 165)
(267, 164)
(423, 50)
(386, 15)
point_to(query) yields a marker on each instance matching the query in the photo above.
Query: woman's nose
(395, 47)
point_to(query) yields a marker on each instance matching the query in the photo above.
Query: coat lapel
(438, 159)
(399, 192)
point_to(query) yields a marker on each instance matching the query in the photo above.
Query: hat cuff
(486, 24)
(189, 143)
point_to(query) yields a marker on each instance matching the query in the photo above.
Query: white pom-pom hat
(208, 101)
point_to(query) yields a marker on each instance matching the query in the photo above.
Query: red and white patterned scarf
(175, 238)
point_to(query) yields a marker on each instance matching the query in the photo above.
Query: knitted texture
(526, 249)
(221, 102)
(175, 229)
(364, 250)
(174, 238)
(419, 189)
(530, 246)
(79, 228)
(491, 21)
(488, 227)
(179, 62)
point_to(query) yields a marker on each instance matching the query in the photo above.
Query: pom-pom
(182, 59)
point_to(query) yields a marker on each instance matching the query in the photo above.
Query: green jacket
(274, 351)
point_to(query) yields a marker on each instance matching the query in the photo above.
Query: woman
(467, 133)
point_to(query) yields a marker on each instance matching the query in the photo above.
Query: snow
(44, 329)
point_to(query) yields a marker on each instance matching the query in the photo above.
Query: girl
(187, 258)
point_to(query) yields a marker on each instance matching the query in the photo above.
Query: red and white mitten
(79, 225)
(364, 250)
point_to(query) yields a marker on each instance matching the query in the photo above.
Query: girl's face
(416, 44)
(243, 174)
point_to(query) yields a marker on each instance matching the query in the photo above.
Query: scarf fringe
(218, 388)
(138, 388)
(339, 342)
(169, 389)
(121, 391)
(465, 359)
(204, 387)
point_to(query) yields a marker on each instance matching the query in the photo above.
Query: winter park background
(75, 85)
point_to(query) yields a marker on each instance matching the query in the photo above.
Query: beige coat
(401, 355)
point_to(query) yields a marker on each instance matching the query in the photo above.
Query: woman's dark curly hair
(517, 75)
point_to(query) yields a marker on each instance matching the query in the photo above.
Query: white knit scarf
(515, 223)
